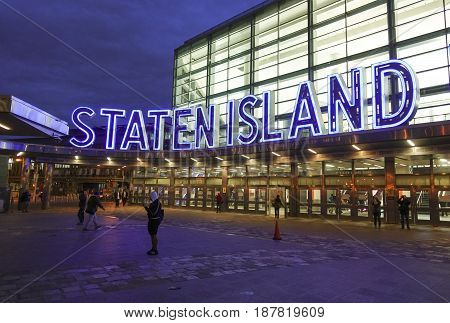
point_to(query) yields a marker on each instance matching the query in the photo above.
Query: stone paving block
(98, 276)
(8, 287)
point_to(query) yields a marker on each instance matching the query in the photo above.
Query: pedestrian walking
(155, 215)
(25, 201)
(124, 197)
(277, 204)
(92, 205)
(44, 199)
(219, 201)
(117, 197)
(403, 207)
(376, 204)
(82, 199)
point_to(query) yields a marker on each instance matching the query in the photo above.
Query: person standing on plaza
(25, 200)
(92, 205)
(403, 207)
(277, 204)
(117, 197)
(154, 213)
(376, 204)
(219, 201)
(82, 199)
(124, 197)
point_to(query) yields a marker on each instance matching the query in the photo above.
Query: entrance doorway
(283, 192)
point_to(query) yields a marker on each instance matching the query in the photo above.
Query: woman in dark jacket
(153, 213)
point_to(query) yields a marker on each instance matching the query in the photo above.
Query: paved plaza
(205, 257)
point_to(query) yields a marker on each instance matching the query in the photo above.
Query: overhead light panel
(411, 143)
(274, 153)
(20, 153)
(167, 160)
(138, 159)
(219, 158)
(195, 160)
(356, 147)
(312, 151)
(5, 127)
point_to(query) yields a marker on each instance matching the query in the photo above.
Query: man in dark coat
(403, 207)
(82, 199)
(92, 205)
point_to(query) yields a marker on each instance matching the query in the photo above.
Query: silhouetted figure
(82, 199)
(403, 207)
(376, 203)
(124, 197)
(25, 200)
(92, 205)
(117, 197)
(277, 204)
(219, 201)
(154, 211)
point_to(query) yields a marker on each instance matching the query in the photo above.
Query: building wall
(288, 42)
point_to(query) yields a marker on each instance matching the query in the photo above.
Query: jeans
(218, 207)
(91, 217)
(277, 213)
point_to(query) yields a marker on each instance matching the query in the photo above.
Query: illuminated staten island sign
(342, 103)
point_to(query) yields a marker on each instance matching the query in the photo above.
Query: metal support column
(390, 209)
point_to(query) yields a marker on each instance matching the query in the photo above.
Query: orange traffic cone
(277, 235)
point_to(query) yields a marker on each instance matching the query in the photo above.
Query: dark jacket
(92, 204)
(82, 200)
(277, 203)
(376, 204)
(403, 205)
(25, 196)
(153, 210)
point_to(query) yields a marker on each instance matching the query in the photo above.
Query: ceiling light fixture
(5, 127)
(356, 147)
(219, 158)
(312, 151)
(274, 153)
(410, 142)
(245, 156)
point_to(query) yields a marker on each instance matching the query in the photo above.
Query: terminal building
(283, 53)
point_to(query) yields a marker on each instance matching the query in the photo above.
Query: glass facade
(288, 42)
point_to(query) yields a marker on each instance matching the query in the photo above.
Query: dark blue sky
(134, 40)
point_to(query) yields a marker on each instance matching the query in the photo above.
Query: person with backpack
(82, 199)
(403, 207)
(155, 215)
(277, 204)
(92, 205)
(219, 201)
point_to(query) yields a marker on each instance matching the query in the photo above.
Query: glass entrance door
(181, 196)
(420, 203)
(283, 193)
(444, 206)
